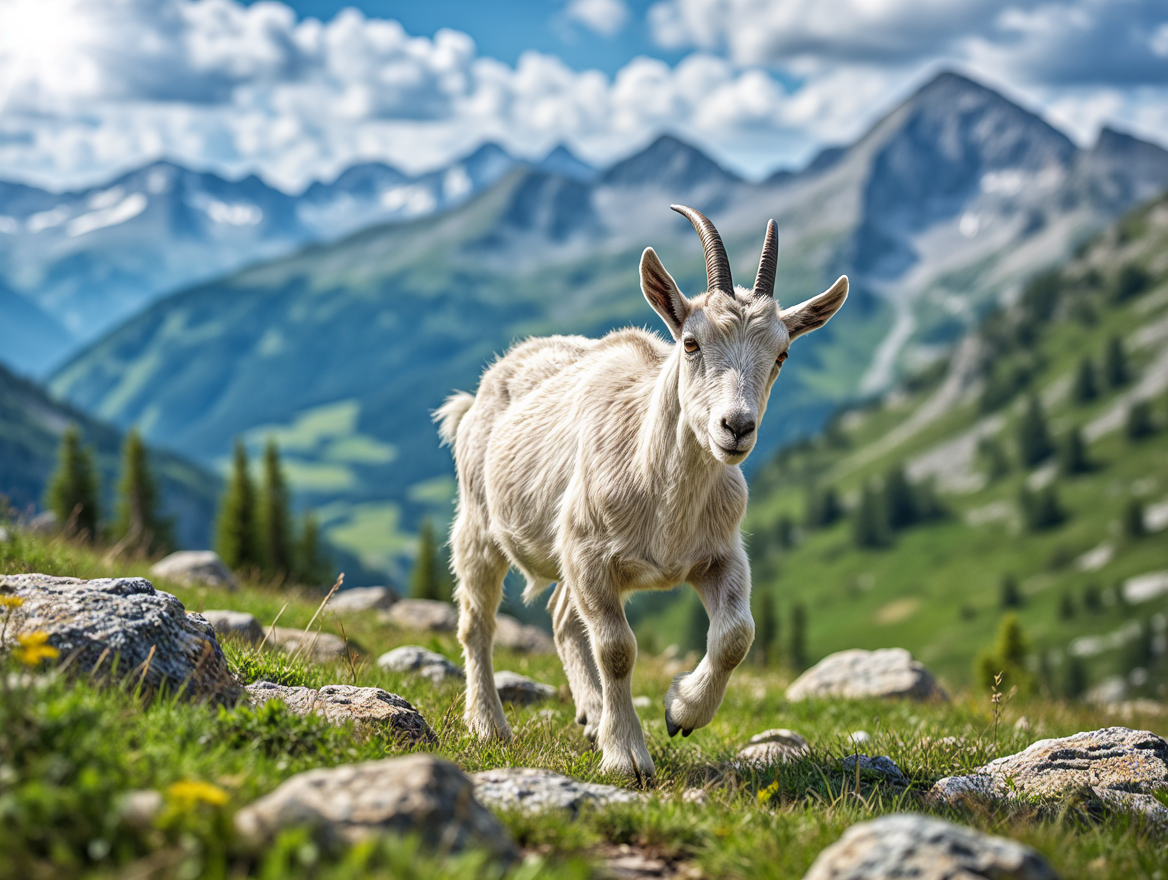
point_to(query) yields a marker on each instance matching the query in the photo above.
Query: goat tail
(449, 415)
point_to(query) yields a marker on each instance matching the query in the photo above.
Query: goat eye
(782, 357)
(690, 344)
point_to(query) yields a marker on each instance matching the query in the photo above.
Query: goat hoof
(582, 718)
(687, 732)
(671, 727)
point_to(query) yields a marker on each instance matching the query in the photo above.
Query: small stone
(859, 674)
(521, 637)
(195, 568)
(696, 796)
(642, 702)
(319, 646)
(139, 808)
(910, 845)
(881, 765)
(423, 615)
(236, 624)
(356, 600)
(365, 706)
(519, 690)
(859, 736)
(418, 795)
(535, 790)
(418, 661)
(775, 746)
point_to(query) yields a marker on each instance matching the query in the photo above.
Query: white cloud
(605, 17)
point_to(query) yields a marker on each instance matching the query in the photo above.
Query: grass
(73, 752)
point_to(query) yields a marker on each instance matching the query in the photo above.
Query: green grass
(71, 752)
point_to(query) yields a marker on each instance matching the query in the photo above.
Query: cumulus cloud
(605, 17)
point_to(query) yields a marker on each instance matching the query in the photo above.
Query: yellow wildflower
(190, 792)
(11, 601)
(35, 647)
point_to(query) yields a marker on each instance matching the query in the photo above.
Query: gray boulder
(423, 615)
(417, 795)
(1120, 766)
(906, 845)
(881, 767)
(521, 637)
(319, 646)
(775, 746)
(236, 624)
(365, 706)
(859, 674)
(195, 568)
(359, 599)
(416, 660)
(534, 790)
(519, 690)
(147, 632)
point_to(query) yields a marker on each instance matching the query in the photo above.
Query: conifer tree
(1073, 454)
(823, 507)
(797, 641)
(766, 631)
(72, 492)
(1133, 519)
(869, 521)
(312, 562)
(1092, 599)
(1075, 683)
(425, 582)
(1041, 508)
(697, 626)
(1011, 595)
(1140, 423)
(1115, 371)
(1086, 386)
(1008, 657)
(139, 526)
(899, 499)
(997, 464)
(1066, 608)
(274, 516)
(1033, 437)
(236, 538)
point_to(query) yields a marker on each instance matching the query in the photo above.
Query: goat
(610, 465)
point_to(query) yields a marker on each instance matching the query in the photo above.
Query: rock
(642, 702)
(139, 808)
(44, 523)
(423, 615)
(358, 599)
(520, 690)
(696, 796)
(521, 638)
(910, 845)
(859, 674)
(533, 790)
(859, 736)
(1119, 766)
(1108, 692)
(365, 706)
(417, 660)
(4, 536)
(775, 746)
(236, 624)
(417, 795)
(881, 765)
(149, 632)
(319, 646)
(195, 568)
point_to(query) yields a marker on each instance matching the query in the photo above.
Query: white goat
(611, 465)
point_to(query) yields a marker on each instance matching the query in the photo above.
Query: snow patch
(127, 209)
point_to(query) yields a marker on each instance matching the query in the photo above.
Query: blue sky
(298, 90)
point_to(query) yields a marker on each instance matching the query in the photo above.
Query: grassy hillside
(71, 752)
(936, 587)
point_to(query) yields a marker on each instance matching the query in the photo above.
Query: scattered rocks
(319, 646)
(911, 845)
(195, 568)
(236, 624)
(147, 632)
(519, 690)
(776, 746)
(423, 615)
(356, 600)
(1119, 766)
(366, 706)
(859, 674)
(696, 796)
(534, 790)
(521, 637)
(881, 766)
(417, 794)
(417, 660)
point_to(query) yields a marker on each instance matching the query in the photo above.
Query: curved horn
(764, 281)
(717, 266)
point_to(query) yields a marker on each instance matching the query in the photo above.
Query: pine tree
(1092, 600)
(236, 537)
(1041, 508)
(997, 464)
(900, 507)
(1033, 437)
(1008, 657)
(823, 507)
(697, 627)
(139, 526)
(1086, 386)
(72, 492)
(869, 522)
(312, 562)
(1011, 596)
(1075, 683)
(766, 631)
(1073, 454)
(274, 516)
(1140, 423)
(1133, 519)
(1066, 608)
(1115, 363)
(797, 641)
(424, 582)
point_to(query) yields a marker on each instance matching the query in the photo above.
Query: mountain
(565, 163)
(30, 339)
(342, 350)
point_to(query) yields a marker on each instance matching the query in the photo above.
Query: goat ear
(661, 291)
(815, 312)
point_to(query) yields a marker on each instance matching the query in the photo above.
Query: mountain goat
(610, 465)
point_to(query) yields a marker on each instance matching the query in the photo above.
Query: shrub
(1073, 454)
(1041, 508)
(1033, 438)
(1133, 519)
(1140, 423)
(1011, 596)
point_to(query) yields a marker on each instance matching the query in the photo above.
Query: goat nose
(739, 425)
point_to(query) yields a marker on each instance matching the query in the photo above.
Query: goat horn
(764, 281)
(717, 266)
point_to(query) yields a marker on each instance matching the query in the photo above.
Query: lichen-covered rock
(356, 600)
(519, 690)
(423, 615)
(416, 660)
(147, 632)
(195, 568)
(1118, 766)
(418, 795)
(235, 624)
(319, 646)
(775, 746)
(365, 706)
(881, 767)
(535, 790)
(521, 637)
(908, 845)
(859, 674)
